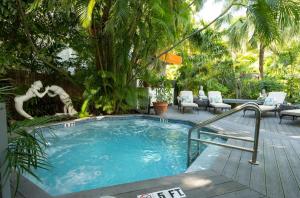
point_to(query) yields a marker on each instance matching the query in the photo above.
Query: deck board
(293, 159)
(221, 160)
(243, 174)
(278, 172)
(241, 194)
(288, 179)
(233, 162)
(258, 175)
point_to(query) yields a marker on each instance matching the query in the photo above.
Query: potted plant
(163, 97)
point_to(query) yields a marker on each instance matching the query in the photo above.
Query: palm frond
(34, 5)
(238, 33)
(85, 12)
(264, 19)
(26, 147)
(198, 4)
(287, 12)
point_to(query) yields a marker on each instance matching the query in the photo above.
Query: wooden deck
(202, 184)
(278, 172)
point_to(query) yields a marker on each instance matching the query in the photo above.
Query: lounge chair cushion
(216, 99)
(220, 105)
(267, 108)
(277, 97)
(291, 112)
(270, 102)
(188, 104)
(186, 99)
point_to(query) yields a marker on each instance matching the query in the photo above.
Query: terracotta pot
(160, 107)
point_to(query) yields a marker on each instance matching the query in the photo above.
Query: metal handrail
(250, 105)
(227, 136)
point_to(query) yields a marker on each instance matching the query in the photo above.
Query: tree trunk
(261, 60)
(99, 65)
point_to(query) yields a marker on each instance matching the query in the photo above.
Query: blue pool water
(103, 153)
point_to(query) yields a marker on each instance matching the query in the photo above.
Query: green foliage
(163, 94)
(163, 89)
(26, 147)
(264, 22)
(250, 88)
(263, 25)
(214, 85)
(50, 31)
(5, 89)
(263, 17)
(210, 67)
(270, 84)
(191, 77)
(7, 9)
(128, 34)
(120, 96)
(284, 66)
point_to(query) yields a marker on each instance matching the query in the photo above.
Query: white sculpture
(32, 92)
(202, 93)
(263, 95)
(55, 90)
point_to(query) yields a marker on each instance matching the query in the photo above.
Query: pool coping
(30, 190)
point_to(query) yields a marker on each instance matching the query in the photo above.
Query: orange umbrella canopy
(171, 58)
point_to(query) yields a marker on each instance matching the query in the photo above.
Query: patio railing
(197, 128)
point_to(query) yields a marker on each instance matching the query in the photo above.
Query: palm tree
(263, 25)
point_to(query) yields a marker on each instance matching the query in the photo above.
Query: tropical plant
(210, 65)
(163, 94)
(5, 89)
(163, 91)
(284, 67)
(26, 144)
(264, 24)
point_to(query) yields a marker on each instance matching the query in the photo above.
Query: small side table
(202, 103)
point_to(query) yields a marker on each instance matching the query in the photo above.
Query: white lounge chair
(186, 100)
(294, 113)
(272, 102)
(216, 101)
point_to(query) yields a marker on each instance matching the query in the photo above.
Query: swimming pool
(113, 151)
